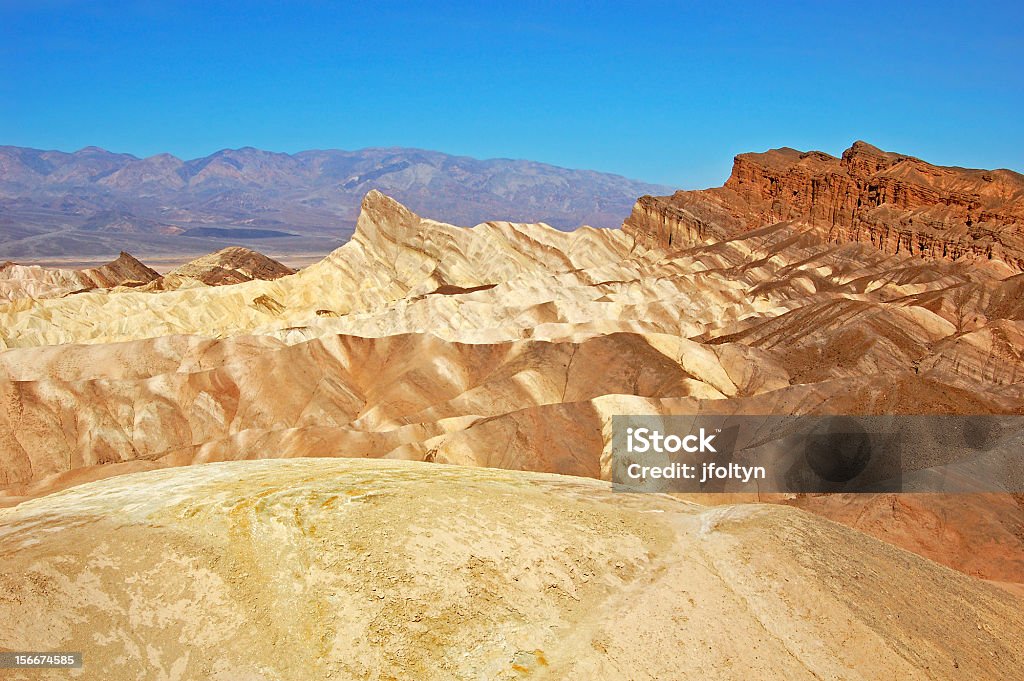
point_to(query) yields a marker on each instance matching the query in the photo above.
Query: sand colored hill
(243, 451)
(395, 257)
(231, 265)
(31, 281)
(340, 569)
(511, 346)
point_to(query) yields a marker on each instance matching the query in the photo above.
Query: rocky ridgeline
(33, 281)
(513, 345)
(898, 204)
(231, 265)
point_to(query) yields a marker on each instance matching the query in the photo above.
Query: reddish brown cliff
(897, 203)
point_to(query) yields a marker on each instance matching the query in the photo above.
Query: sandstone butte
(511, 346)
(897, 203)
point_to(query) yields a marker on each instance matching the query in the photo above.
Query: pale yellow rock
(501, 345)
(342, 569)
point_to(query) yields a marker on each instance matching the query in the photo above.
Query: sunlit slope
(313, 569)
(416, 331)
(394, 255)
(510, 346)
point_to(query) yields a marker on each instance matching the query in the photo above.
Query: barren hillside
(313, 569)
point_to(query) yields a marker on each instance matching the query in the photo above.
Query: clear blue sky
(666, 92)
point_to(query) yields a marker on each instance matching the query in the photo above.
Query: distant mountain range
(94, 202)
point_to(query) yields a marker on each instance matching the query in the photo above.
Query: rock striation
(896, 203)
(32, 281)
(231, 265)
(512, 346)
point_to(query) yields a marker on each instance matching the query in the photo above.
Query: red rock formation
(897, 203)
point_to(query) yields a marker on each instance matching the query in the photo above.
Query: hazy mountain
(95, 202)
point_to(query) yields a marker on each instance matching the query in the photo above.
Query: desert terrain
(350, 569)
(92, 203)
(874, 283)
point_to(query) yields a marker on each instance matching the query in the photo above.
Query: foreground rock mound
(896, 203)
(313, 569)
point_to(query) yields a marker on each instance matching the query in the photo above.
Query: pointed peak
(867, 158)
(379, 203)
(864, 147)
(381, 214)
(126, 259)
(163, 157)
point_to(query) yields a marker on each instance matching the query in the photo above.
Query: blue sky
(666, 92)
